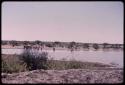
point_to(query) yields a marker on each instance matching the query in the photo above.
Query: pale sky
(87, 22)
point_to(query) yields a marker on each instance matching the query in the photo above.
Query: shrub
(34, 60)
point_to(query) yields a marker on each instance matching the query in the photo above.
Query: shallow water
(106, 57)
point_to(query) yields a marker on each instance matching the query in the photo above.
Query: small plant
(34, 60)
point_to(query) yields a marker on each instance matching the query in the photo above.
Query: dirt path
(66, 76)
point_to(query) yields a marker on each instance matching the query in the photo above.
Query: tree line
(70, 45)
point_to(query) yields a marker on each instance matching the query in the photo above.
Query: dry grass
(73, 64)
(11, 63)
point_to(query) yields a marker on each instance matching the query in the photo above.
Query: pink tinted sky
(92, 22)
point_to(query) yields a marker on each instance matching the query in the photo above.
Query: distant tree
(95, 46)
(72, 44)
(56, 43)
(49, 45)
(105, 45)
(13, 43)
(25, 42)
(86, 45)
(120, 45)
(38, 42)
(61, 45)
(42, 43)
(75, 46)
(4, 42)
(116, 46)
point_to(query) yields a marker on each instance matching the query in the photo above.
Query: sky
(87, 22)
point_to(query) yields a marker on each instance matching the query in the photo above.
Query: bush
(34, 60)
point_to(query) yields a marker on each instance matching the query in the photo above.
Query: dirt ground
(65, 76)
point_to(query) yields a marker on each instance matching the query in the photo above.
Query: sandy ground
(65, 76)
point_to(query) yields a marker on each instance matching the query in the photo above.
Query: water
(106, 57)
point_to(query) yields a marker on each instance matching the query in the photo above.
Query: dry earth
(65, 76)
